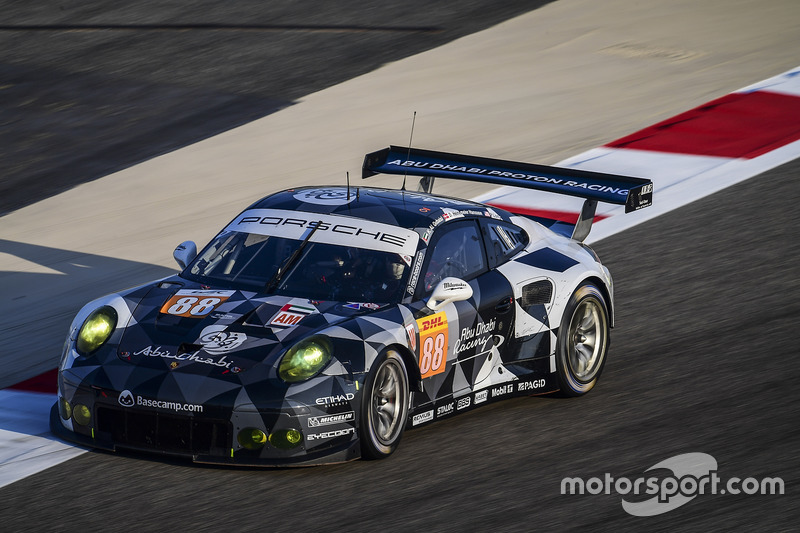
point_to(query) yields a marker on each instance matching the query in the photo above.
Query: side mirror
(449, 290)
(184, 253)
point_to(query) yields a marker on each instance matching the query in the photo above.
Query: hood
(194, 329)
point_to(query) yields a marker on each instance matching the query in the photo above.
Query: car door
(533, 291)
(458, 346)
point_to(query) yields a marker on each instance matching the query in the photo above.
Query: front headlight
(305, 359)
(96, 330)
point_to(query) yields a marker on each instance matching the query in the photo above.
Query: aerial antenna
(348, 185)
(410, 137)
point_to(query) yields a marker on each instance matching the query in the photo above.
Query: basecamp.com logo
(693, 474)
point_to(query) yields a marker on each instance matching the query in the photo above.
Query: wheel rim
(387, 403)
(586, 339)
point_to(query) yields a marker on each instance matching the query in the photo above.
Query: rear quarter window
(502, 240)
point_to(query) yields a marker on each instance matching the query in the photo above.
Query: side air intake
(536, 293)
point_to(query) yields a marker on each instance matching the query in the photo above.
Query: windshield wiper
(290, 261)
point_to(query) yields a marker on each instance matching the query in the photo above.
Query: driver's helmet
(395, 267)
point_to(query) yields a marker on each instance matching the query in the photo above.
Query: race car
(322, 322)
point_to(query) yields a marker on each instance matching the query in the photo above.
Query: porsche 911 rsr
(322, 322)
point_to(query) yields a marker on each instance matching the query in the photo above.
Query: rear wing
(633, 193)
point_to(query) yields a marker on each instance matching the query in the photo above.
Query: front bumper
(338, 454)
(209, 432)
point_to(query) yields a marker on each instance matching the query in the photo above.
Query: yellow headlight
(96, 330)
(305, 359)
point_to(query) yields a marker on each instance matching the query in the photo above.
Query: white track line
(27, 445)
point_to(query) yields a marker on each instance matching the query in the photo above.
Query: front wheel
(583, 339)
(384, 406)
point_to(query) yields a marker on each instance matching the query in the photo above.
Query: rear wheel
(583, 339)
(384, 406)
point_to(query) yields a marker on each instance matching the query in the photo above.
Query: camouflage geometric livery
(426, 306)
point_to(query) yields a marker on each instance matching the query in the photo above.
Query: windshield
(322, 271)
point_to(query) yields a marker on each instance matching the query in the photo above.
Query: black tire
(384, 406)
(583, 340)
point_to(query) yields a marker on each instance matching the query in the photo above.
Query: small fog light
(64, 408)
(252, 438)
(286, 439)
(82, 414)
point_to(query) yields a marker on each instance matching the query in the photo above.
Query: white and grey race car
(323, 321)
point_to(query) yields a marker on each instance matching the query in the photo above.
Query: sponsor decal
(450, 214)
(327, 420)
(446, 409)
(224, 316)
(421, 418)
(506, 174)
(492, 213)
(530, 385)
(463, 403)
(190, 303)
(335, 399)
(193, 357)
(412, 337)
(502, 390)
(451, 286)
(481, 396)
(412, 283)
(480, 337)
(217, 341)
(126, 399)
(332, 196)
(330, 434)
(290, 315)
(433, 344)
(358, 306)
(330, 229)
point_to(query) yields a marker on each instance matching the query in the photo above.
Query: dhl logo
(436, 321)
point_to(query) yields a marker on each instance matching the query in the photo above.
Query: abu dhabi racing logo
(216, 341)
(337, 196)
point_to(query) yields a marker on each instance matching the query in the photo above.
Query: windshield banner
(332, 229)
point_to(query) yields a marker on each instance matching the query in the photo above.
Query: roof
(408, 209)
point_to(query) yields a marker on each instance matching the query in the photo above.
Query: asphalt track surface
(702, 360)
(90, 88)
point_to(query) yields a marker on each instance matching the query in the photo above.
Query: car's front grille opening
(164, 432)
